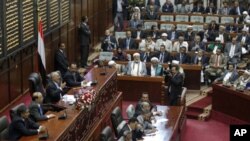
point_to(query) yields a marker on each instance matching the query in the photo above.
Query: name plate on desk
(106, 56)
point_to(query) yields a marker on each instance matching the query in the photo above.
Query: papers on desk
(88, 84)
(69, 99)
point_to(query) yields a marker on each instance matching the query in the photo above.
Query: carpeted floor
(211, 130)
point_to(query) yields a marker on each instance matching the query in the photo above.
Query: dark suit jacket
(72, 81)
(167, 8)
(201, 46)
(185, 58)
(157, 34)
(187, 37)
(247, 40)
(142, 34)
(170, 35)
(232, 78)
(114, 7)
(175, 88)
(226, 37)
(233, 11)
(166, 57)
(53, 93)
(201, 9)
(213, 28)
(145, 56)
(132, 44)
(211, 35)
(35, 114)
(105, 45)
(61, 62)
(152, 17)
(207, 10)
(234, 28)
(158, 71)
(204, 60)
(20, 127)
(84, 34)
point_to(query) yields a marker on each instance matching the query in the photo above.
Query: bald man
(54, 89)
(36, 110)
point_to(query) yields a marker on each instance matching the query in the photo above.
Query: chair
(148, 24)
(181, 18)
(182, 27)
(120, 35)
(197, 19)
(208, 19)
(35, 83)
(13, 111)
(130, 111)
(224, 20)
(166, 26)
(197, 27)
(3, 127)
(117, 121)
(168, 18)
(106, 134)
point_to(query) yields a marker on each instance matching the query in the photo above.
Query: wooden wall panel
(14, 75)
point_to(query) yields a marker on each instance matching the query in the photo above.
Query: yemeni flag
(41, 53)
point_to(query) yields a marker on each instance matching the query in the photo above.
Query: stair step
(195, 100)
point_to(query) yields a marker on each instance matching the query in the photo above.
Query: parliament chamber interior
(124, 70)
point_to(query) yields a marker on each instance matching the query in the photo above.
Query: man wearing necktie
(73, 77)
(163, 55)
(36, 109)
(233, 51)
(128, 42)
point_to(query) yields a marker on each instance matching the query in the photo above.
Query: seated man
(189, 34)
(216, 66)
(145, 121)
(147, 43)
(134, 128)
(120, 55)
(214, 46)
(164, 41)
(180, 43)
(138, 33)
(136, 67)
(146, 55)
(120, 68)
(229, 76)
(233, 52)
(22, 125)
(109, 42)
(145, 104)
(54, 90)
(197, 44)
(163, 55)
(182, 57)
(36, 109)
(243, 81)
(155, 69)
(72, 77)
(133, 23)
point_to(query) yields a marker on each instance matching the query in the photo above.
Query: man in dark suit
(167, 7)
(119, 11)
(151, 14)
(173, 34)
(200, 59)
(154, 32)
(206, 34)
(175, 85)
(72, 77)
(182, 57)
(198, 8)
(146, 55)
(61, 61)
(139, 33)
(85, 41)
(229, 76)
(163, 55)
(197, 44)
(236, 10)
(128, 42)
(224, 37)
(21, 125)
(210, 9)
(132, 126)
(36, 109)
(54, 89)
(189, 34)
(109, 42)
(233, 51)
(244, 39)
(135, 21)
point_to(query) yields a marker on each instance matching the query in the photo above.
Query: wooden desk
(170, 129)
(192, 74)
(231, 102)
(132, 88)
(86, 124)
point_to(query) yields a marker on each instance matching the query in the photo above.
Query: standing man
(119, 9)
(61, 61)
(85, 41)
(175, 85)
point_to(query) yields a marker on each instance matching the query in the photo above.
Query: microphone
(63, 116)
(44, 136)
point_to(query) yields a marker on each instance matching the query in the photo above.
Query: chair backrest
(130, 111)
(199, 19)
(116, 118)
(35, 83)
(224, 20)
(120, 35)
(182, 27)
(148, 24)
(197, 27)
(166, 26)
(169, 18)
(182, 18)
(106, 134)
(4, 124)
(13, 111)
(211, 18)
